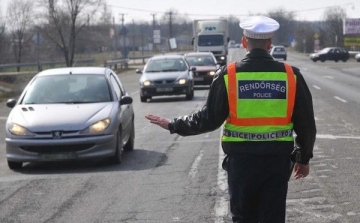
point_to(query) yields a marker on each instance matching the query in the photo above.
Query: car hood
(165, 75)
(65, 117)
(204, 68)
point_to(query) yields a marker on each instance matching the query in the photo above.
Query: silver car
(278, 52)
(166, 75)
(70, 114)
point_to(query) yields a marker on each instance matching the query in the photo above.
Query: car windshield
(202, 60)
(211, 40)
(279, 49)
(165, 65)
(325, 50)
(67, 89)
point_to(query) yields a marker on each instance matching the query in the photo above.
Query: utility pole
(170, 25)
(124, 35)
(115, 39)
(153, 28)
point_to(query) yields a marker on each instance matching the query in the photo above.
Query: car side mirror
(126, 100)
(138, 71)
(11, 103)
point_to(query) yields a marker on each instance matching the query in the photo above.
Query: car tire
(118, 156)
(336, 61)
(358, 60)
(129, 146)
(344, 60)
(143, 99)
(190, 95)
(322, 60)
(314, 61)
(14, 165)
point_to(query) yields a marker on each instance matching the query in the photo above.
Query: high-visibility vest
(260, 104)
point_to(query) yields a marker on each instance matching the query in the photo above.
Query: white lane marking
(340, 99)
(326, 136)
(222, 203)
(135, 92)
(317, 87)
(194, 166)
(329, 77)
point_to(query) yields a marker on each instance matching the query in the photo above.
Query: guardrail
(39, 64)
(124, 63)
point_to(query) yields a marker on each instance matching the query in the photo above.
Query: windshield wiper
(152, 71)
(167, 70)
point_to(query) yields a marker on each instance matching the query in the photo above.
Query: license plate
(164, 89)
(58, 156)
(198, 78)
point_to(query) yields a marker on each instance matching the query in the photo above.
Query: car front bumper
(38, 150)
(165, 90)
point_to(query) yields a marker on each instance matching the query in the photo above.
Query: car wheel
(190, 95)
(322, 60)
(336, 61)
(143, 99)
(14, 165)
(314, 60)
(344, 60)
(358, 60)
(129, 146)
(117, 158)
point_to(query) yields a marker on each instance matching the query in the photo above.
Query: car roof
(197, 53)
(167, 56)
(74, 70)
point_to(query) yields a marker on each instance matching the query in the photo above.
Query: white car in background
(357, 57)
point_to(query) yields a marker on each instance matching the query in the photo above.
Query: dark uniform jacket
(216, 111)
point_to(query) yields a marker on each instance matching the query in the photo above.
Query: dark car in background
(330, 53)
(165, 75)
(71, 113)
(205, 64)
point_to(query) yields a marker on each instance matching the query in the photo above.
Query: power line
(222, 15)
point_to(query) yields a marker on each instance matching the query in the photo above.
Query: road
(169, 178)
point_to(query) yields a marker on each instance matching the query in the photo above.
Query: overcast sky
(199, 9)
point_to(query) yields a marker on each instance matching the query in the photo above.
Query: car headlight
(97, 127)
(19, 130)
(146, 83)
(212, 73)
(222, 58)
(181, 81)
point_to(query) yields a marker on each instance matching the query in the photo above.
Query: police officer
(262, 102)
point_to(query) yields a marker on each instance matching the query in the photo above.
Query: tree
(333, 26)
(286, 30)
(19, 14)
(65, 20)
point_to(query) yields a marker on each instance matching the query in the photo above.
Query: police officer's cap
(259, 27)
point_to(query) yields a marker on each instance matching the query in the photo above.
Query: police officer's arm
(210, 117)
(303, 119)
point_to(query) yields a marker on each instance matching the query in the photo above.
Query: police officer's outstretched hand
(162, 122)
(301, 170)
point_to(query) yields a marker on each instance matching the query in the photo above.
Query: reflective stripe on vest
(260, 105)
(233, 100)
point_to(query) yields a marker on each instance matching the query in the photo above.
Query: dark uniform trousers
(258, 187)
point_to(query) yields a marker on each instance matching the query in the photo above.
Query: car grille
(164, 81)
(216, 52)
(201, 73)
(50, 149)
